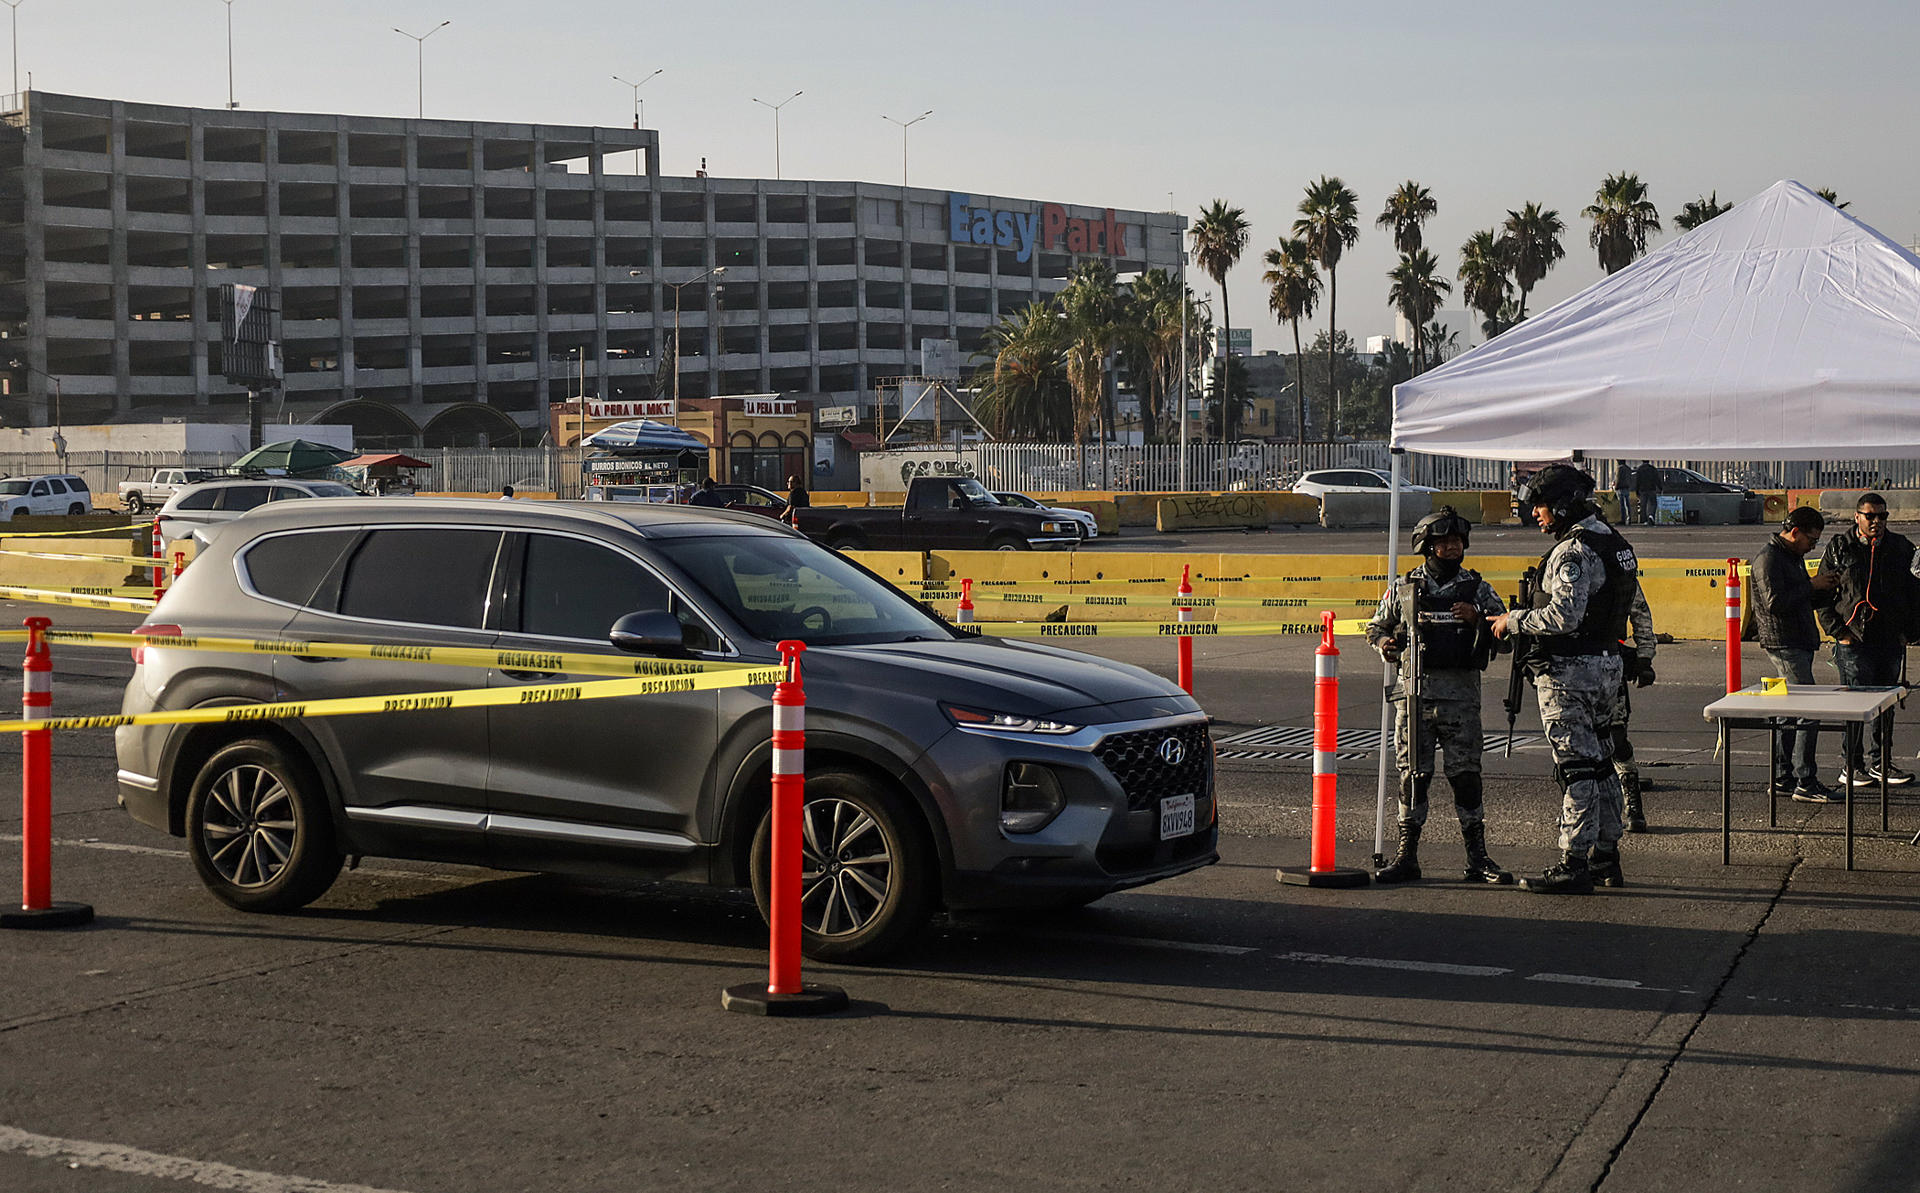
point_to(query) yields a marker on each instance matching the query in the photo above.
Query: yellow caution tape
(1161, 629)
(67, 534)
(138, 560)
(77, 598)
(419, 701)
(449, 656)
(1017, 597)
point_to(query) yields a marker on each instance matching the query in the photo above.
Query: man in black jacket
(1784, 598)
(1646, 490)
(1871, 614)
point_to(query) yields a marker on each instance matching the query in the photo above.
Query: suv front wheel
(867, 870)
(258, 828)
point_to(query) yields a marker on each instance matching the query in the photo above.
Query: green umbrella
(294, 456)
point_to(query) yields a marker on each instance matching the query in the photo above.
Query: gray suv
(943, 769)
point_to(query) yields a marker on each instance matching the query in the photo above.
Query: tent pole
(1396, 464)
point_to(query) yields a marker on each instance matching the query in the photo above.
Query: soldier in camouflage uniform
(1454, 604)
(1573, 636)
(1636, 671)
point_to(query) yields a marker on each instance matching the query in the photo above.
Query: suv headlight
(1053, 527)
(1005, 722)
(1030, 797)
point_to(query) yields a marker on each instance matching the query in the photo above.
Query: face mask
(1442, 570)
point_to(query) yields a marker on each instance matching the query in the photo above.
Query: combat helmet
(1438, 525)
(1566, 491)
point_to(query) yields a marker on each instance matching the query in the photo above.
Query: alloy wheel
(846, 867)
(249, 831)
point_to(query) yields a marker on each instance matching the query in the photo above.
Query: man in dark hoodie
(1784, 599)
(1871, 615)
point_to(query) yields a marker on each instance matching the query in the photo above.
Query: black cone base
(1339, 876)
(751, 998)
(58, 915)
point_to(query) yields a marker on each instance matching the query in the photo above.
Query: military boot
(1636, 814)
(1604, 865)
(1570, 877)
(1405, 866)
(1480, 867)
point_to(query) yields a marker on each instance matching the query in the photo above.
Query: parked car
(941, 512)
(943, 769)
(59, 493)
(139, 496)
(210, 504)
(1675, 481)
(1088, 524)
(1323, 481)
(751, 499)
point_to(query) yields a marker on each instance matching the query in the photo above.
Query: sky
(1122, 103)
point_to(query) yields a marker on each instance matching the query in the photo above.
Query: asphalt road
(432, 1028)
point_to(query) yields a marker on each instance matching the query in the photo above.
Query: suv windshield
(789, 588)
(13, 488)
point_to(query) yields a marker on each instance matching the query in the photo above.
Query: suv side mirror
(649, 631)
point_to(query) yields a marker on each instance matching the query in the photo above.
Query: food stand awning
(387, 460)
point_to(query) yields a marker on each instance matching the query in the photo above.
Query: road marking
(111, 846)
(1465, 971)
(1147, 942)
(80, 1153)
(1575, 979)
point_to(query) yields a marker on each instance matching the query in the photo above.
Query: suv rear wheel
(258, 828)
(867, 871)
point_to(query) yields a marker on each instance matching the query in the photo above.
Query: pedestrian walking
(1571, 639)
(506, 492)
(1784, 599)
(1623, 489)
(1646, 491)
(1437, 695)
(704, 494)
(1871, 615)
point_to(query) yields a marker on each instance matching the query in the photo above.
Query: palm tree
(1219, 237)
(1092, 309)
(1530, 242)
(1443, 343)
(1484, 282)
(1416, 293)
(1149, 338)
(1022, 377)
(1699, 211)
(1623, 217)
(1833, 197)
(1329, 223)
(1293, 291)
(1408, 207)
(1507, 316)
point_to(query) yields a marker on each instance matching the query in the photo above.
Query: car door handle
(314, 658)
(528, 675)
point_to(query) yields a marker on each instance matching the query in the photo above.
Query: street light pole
(15, 6)
(716, 271)
(776, 127)
(904, 126)
(639, 109)
(230, 104)
(420, 60)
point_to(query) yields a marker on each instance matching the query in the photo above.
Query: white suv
(62, 493)
(214, 503)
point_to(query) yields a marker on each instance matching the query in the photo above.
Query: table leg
(1853, 735)
(1885, 730)
(1773, 785)
(1726, 796)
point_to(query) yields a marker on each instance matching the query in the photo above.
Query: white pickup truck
(141, 496)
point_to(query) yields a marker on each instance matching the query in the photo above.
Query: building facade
(440, 282)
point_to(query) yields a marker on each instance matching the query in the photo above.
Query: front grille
(1134, 759)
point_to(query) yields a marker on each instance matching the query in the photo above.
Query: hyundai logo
(1172, 751)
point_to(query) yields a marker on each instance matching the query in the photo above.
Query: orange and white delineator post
(1733, 625)
(179, 564)
(965, 615)
(1321, 870)
(159, 569)
(1185, 643)
(37, 908)
(783, 994)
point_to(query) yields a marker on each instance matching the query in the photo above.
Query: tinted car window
(77, 484)
(427, 577)
(779, 588)
(289, 567)
(56, 484)
(576, 589)
(244, 497)
(39, 489)
(203, 500)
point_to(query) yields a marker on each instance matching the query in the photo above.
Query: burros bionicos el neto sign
(1020, 230)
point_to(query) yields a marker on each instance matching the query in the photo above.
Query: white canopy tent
(1784, 328)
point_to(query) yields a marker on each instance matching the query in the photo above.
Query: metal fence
(454, 469)
(1155, 468)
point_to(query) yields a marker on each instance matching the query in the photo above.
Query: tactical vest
(1605, 625)
(1446, 643)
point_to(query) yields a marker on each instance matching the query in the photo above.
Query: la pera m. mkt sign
(1021, 230)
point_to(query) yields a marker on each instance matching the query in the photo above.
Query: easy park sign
(1022, 230)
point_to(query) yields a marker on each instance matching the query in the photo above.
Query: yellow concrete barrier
(518, 494)
(1496, 509)
(1291, 509)
(1211, 511)
(1106, 515)
(68, 573)
(838, 497)
(1465, 502)
(893, 565)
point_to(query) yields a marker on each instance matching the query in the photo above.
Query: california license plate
(1176, 817)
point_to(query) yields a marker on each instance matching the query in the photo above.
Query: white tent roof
(1783, 329)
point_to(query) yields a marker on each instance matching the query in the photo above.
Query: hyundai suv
(943, 769)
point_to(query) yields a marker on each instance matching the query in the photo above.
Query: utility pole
(639, 110)
(420, 61)
(15, 6)
(776, 127)
(231, 105)
(904, 126)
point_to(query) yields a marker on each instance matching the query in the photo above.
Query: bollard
(37, 908)
(965, 616)
(1185, 644)
(159, 569)
(783, 994)
(1733, 625)
(1321, 870)
(179, 563)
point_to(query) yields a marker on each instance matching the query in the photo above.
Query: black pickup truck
(950, 513)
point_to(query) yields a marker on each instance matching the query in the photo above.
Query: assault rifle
(1409, 594)
(1516, 679)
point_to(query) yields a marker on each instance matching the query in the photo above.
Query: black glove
(1644, 678)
